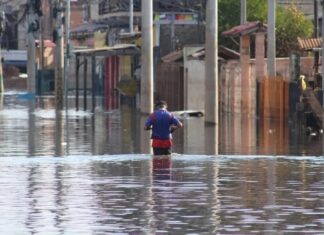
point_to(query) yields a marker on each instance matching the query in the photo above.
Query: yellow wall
(125, 67)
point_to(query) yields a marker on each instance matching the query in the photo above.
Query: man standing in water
(162, 123)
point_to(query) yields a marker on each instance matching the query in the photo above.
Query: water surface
(138, 194)
(75, 172)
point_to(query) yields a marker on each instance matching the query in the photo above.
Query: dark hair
(161, 104)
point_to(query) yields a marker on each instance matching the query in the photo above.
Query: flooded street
(81, 173)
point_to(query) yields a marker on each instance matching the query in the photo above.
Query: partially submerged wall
(230, 83)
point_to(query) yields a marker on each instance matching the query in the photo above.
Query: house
(14, 40)
(109, 25)
(180, 78)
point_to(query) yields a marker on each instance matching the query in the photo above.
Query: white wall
(194, 81)
(194, 85)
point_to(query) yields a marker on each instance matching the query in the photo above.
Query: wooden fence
(274, 98)
(169, 85)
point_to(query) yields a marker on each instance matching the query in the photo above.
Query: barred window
(108, 6)
(104, 7)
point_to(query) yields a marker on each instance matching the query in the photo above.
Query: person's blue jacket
(162, 123)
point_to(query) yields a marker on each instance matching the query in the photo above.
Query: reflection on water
(106, 180)
(42, 131)
(138, 194)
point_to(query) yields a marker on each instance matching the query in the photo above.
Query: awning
(223, 52)
(120, 49)
(173, 56)
(87, 29)
(18, 63)
(308, 44)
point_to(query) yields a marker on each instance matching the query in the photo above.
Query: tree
(290, 23)
(229, 16)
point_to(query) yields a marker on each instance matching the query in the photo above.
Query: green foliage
(228, 16)
(257, 10)
(290, 23)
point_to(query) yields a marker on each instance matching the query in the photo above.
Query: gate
(169, 85)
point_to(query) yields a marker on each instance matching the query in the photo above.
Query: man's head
(161, 104)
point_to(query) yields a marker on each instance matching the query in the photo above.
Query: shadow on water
(35, 129)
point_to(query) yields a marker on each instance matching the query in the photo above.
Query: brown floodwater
(76, 172)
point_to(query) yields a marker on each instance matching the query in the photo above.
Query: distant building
(176, 23)
(306, 6)
(16, 12)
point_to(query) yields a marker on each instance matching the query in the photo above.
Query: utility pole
(2, 28)
(68, 48)
(34, 8)
(31, 50)
(211, 104)
(41, 56)
(34, 12)
(131, 16)
(322, 57)
(211, 73)
(59, 54)
(316, 53)
(146, 104)
(243, 11)
(271, 38)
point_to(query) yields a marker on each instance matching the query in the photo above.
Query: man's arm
(148, 124)
(176, 125)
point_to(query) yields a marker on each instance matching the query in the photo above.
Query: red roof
(247, 28)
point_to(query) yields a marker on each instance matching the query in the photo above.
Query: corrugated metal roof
(198, 54)
(247, 28)
(107, 50)
(89, 27)
(308, 44)
(223, 52)
(173, 56)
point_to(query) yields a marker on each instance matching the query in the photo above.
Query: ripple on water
(120, 193)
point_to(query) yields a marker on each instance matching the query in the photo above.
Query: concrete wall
(194, 85)
(283, 66)
(194, 81)
(230, 84)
